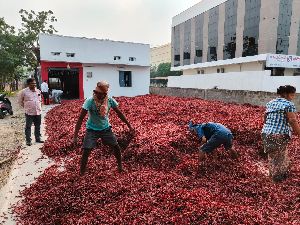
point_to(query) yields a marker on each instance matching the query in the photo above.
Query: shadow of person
(124, 139)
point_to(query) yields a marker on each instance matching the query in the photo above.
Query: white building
(76, 64)
(237, 44)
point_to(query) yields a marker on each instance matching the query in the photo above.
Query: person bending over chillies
(212, 136)
(98, 125)
(279, 121)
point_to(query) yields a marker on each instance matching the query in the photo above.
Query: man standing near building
(30, 100)
(45, 92)
(98, 125)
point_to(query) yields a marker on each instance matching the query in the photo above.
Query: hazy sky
(145, 21)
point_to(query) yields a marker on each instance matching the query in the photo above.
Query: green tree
(164, 70)
(11, 54)
(34, 23)
(153, 69)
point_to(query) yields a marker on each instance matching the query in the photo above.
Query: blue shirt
(276, 116)
(95, 121)
(209, 129)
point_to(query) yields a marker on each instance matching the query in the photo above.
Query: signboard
(284, 61)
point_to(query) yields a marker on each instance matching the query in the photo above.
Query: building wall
(243, 67)
(236, 96)
(110, 73)
(160, 54)
(266, 26)
(250, 81)
(269, 22)
(92, 50)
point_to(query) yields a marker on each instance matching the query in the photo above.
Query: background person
(30, 99)
(280, 119)
(56, 95)
(98, 125)
(45, 92)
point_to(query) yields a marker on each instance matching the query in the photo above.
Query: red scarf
(102, 106)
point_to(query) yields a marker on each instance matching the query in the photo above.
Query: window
(177, 57)
(132, 59)
(117, 57)
(199, 24)
(251, 27)
(202, 72)
(284, 25)
(297, 72)
(55, 53)
(230, 29)
(213, 34)
(199, 53)
(220, 70)
(125, 78)
(298, 46)
(176, 45)
(187, 43)
(186, 55)
(70, 54)
(278, 71)
(89, 74)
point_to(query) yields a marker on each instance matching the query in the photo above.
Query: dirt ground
(11, 139)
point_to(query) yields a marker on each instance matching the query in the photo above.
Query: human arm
(78, 124)
(21, 99)
(203, 140)
(122, 117)
(292, 119)
(265, 118)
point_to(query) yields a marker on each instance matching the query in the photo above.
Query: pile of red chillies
(163, 183)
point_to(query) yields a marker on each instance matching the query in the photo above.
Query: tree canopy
(21, 50)
(163, 70)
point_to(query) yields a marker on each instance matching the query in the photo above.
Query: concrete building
(75, 65)
(237, 37)
(160, 54)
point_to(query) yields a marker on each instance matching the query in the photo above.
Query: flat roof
(256, 58)
(195, 10)
(95, 39)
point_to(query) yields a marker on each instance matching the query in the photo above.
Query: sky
(142, 21)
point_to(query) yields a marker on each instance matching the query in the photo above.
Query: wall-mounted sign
(89, 74)
(284, 61)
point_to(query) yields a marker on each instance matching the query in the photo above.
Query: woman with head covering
(280, 120)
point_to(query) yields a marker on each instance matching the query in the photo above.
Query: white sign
(284, 61)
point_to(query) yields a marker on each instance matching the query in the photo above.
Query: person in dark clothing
(212, 136)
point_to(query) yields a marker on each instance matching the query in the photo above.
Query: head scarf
(102, 105)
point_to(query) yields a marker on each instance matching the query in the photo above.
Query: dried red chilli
(162, 184)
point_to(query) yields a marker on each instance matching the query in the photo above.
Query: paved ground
(29, 165)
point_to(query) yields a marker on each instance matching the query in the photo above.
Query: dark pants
(46, 97)
(36, 120)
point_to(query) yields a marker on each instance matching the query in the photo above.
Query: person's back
(44, 87)
(211, 128)
(45, 92)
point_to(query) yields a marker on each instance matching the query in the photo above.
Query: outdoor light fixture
(68, 66)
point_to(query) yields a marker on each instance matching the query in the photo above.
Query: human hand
(131, 130)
